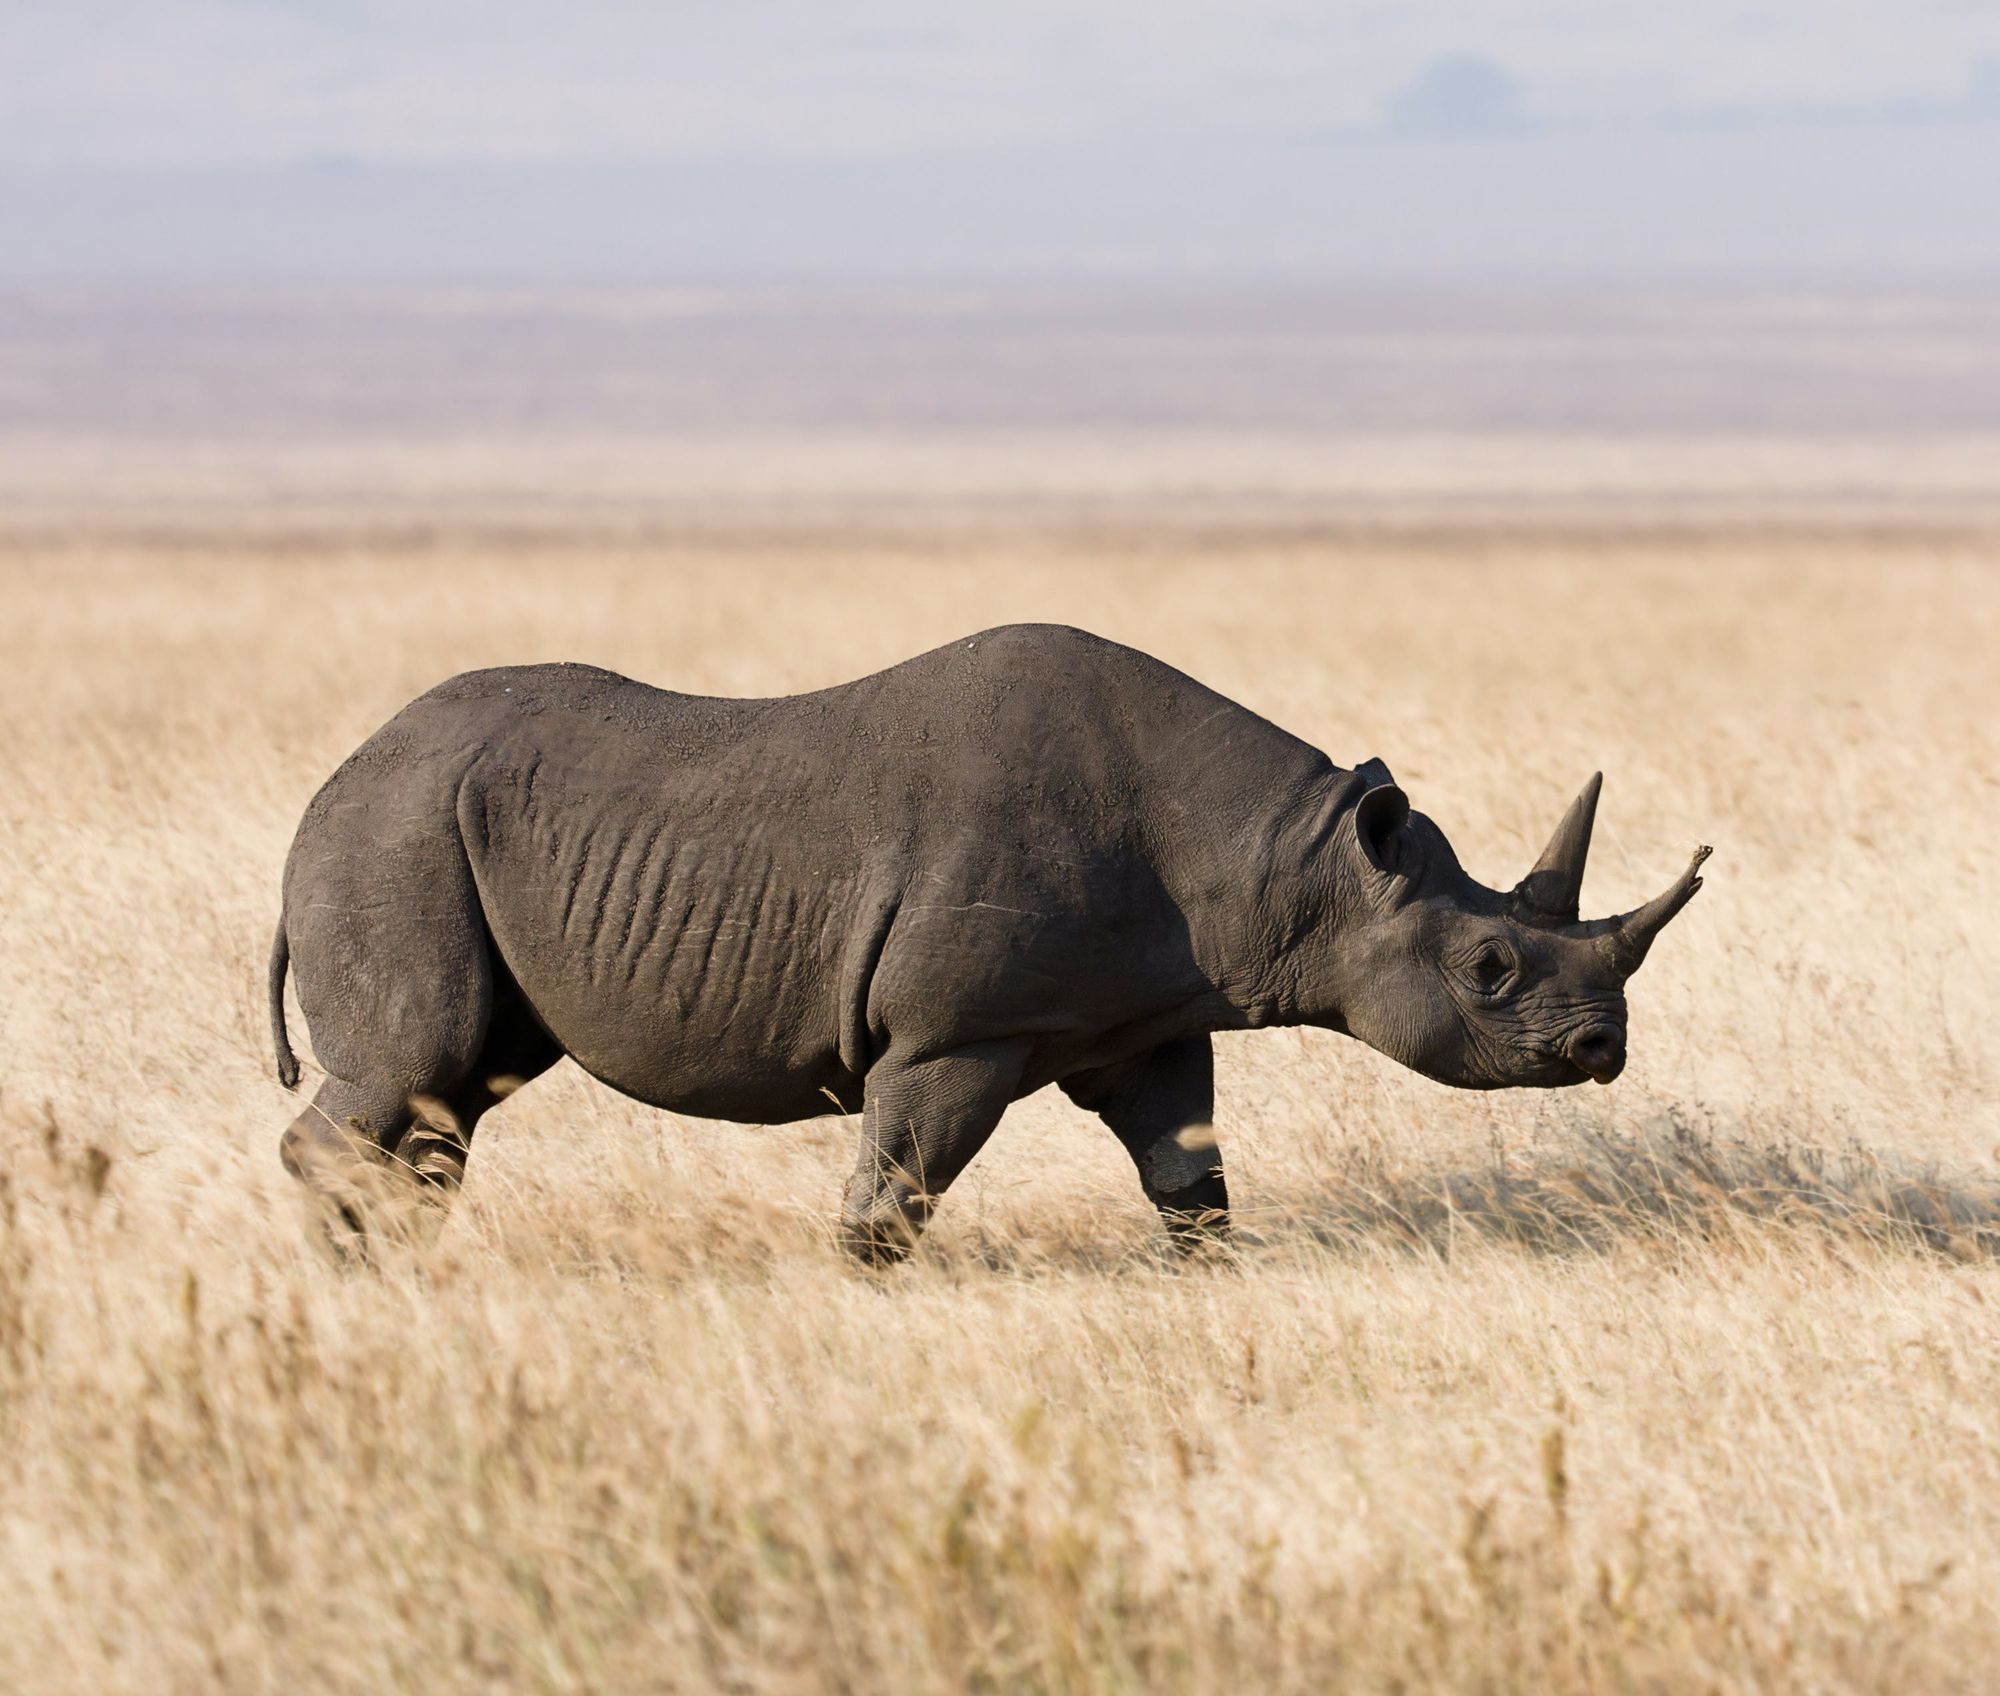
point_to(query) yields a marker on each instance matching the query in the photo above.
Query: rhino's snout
(1599, 1051)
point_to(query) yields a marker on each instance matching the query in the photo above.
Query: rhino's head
(1474, 987)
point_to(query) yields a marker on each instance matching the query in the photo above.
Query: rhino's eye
(1490, 969)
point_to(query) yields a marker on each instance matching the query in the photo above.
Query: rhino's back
(964, 744)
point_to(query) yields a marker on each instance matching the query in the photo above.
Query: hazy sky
(588, 138)
(237, 81)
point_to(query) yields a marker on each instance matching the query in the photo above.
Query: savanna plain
(1691, 1382)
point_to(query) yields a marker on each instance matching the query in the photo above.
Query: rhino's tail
(288, 1062)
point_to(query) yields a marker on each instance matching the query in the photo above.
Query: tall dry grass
(1690, 1382)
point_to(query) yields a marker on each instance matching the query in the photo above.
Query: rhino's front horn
(1555, 887)
(1632, 933)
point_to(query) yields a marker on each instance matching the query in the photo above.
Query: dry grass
(1688, 1383)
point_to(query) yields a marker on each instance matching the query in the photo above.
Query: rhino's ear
(1379, 818)
(1373, 772)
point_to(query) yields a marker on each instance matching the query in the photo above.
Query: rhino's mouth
(1557, 1068)
(1560, 1073)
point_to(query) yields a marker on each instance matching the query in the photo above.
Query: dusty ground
(1688, 1383)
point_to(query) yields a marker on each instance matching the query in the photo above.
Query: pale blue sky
(233, 81)
(596, 138)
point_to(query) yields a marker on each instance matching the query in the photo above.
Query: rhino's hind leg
(435, 1148)
(412, 1014)
(1161, 1106)
(337, 1149)
(369, 1151)
(924, 1120)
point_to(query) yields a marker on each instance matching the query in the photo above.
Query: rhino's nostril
(1600, 1051)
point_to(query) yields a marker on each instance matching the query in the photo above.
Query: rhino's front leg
(924, 1120)
(1161, 1106)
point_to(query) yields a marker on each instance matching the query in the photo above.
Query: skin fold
(1029, 857)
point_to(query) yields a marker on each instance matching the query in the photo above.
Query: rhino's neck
(1264, 923)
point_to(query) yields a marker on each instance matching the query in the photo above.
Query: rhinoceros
(1030, 857)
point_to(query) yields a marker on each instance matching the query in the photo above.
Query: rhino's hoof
(1199, 1231)
(878, 1242)
(437, 1163)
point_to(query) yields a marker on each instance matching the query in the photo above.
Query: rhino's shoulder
(563, 680)
(1030, 645)
(1058, 656)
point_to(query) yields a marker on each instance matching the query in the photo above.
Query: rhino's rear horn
(1554, 888)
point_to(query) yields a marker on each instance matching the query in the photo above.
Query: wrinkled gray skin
(1030, 857)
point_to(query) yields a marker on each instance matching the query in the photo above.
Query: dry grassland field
(1688, 1383)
